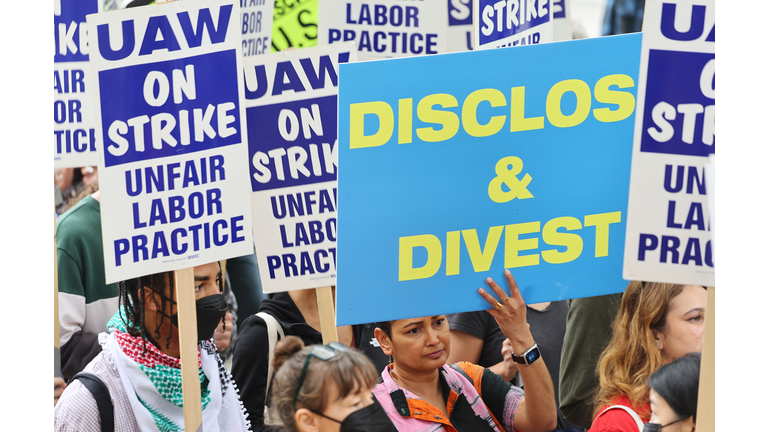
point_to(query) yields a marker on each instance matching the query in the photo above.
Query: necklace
(393, 374)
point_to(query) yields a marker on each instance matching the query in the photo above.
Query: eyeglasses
(321, 352)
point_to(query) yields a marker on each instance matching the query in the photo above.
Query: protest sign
(512, 23)
(169, 95)
(562, 29)
(291, 109)
(446, 179)
(385, 28)
(294, 25)
(74, 131)
(256, 26)
(459, 25)
(668, 228)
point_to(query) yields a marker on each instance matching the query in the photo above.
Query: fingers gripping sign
(510, 312)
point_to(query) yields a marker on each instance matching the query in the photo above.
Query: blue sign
(511, 18)
(173, 115)
(70, 30)
(558, 9)
(307, 160)
(679, 111)
(454, 167)
(459, 12)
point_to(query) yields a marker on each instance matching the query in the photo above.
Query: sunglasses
(321, 352)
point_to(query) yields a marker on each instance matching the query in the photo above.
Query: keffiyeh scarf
(152, 381)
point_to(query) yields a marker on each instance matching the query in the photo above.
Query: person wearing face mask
(674, 395)
(325, 388)
(139, 366)
(656, 324)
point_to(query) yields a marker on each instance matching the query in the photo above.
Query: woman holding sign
(420, 392)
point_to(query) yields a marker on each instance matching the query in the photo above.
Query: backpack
(100, 393)
(275, 333)
(563, 426)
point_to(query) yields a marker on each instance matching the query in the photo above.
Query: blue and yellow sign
(454, 167)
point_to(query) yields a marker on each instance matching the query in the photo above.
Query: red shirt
(618, 420)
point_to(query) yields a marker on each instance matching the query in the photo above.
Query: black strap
(461, 371)
(400, 402)
(100, 393)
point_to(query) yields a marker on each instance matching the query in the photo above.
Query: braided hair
(132, 297)
(132, 300)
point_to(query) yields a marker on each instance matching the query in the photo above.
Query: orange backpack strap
(474, 374)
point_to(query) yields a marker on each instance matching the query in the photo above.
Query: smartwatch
(529, 356)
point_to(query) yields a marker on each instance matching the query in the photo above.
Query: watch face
(532, 355)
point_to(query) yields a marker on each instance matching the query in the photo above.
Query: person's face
(339, 409)
(206, 284)
(685, 324)
(663, 414)
(419, 344)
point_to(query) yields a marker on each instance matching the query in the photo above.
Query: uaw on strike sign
(668, 226)
(174, 180)
(292, 146)
(74, 134)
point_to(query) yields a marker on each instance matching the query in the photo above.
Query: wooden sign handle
(327, 314)
(190, 378)
(705, 417)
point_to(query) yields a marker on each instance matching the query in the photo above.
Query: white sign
(459, 25)
(562, 29)
(507, 23)
(256, 26)
(169, 98)
(74, 131)
(385, 28)
(291, 100)
(668, 224)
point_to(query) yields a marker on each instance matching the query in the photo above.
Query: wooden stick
(56, 330)
(190, 378)
(705, 410)
(327, 314)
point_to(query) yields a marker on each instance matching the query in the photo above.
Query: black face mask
(210, 310)
(655, 427)
(369, 419)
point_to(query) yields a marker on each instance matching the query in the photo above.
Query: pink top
(412, 414)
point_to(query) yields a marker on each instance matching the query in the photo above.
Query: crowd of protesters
(625, 362)
(621, 363)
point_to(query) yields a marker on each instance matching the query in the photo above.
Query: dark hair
(137, 3)
(678, 383)
(349, 369)
(385, 326)
(132, 299)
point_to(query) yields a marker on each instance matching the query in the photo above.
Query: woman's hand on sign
(510, 313)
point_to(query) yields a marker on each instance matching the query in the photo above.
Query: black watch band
(530, 356)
